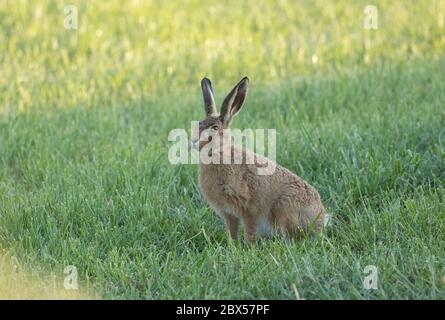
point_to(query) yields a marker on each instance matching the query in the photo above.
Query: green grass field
(85, 114)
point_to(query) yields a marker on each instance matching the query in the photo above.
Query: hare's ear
(209, 97)
(234, 101)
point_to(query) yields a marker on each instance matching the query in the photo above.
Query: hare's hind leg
(312, 218)
(288, 225)
(298, 219)
(287, 218)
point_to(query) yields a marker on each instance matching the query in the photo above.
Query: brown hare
(281, 201)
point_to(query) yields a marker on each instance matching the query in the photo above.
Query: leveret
(264, 204)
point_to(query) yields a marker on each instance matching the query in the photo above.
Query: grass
(85, 114)
(18, 283)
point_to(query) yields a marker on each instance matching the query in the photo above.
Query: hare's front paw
(232, 224)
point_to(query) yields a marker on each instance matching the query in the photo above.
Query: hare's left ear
(234, 101)
(209, 97)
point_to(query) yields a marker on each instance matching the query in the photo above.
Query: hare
(264, 204)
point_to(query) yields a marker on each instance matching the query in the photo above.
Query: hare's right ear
(234, 101)
(209, 97)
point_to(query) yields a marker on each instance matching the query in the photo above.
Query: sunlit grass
(18, 283)
(127, 50)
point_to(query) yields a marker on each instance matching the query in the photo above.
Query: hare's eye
(215, 128)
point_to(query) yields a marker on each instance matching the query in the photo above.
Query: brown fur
(281, 201)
